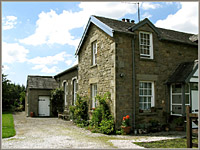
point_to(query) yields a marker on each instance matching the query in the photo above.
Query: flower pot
(126, 130)
(32, 114)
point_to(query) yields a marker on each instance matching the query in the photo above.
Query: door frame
(49, 113)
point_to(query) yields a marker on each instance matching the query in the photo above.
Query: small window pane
(187, 99)
(194, 86)
(176, 88)
(176, 109)
(149, 99)
(141, 99)
(176, 99)
(145, 92)
(187, 88)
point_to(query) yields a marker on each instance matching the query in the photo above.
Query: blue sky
(40, 38)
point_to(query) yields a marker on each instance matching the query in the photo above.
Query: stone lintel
(146, 77)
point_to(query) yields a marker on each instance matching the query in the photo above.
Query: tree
(10, 93)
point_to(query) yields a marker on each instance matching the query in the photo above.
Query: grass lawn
(175, 143)
(8, 129)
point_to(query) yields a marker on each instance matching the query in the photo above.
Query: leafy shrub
(102, 119)
(20, 108)
(79, 112)
(57, 100)
(107, 125)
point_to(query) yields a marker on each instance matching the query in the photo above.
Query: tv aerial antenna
(138, 4)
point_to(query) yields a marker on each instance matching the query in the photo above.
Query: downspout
(133, 88)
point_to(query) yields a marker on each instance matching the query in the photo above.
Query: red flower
(124, 118)
(127, 117)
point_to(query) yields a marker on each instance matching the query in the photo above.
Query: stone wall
(124, 77)
(104, 72)
(68, 77)
(114, 71)
(167, 57)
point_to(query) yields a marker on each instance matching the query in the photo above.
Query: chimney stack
(127, 20)
(132, 21)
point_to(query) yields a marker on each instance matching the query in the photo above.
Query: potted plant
(179, 123)
(126, 125)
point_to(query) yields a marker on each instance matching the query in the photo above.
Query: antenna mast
(138, 12)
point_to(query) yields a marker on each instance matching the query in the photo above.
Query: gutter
(133, 89)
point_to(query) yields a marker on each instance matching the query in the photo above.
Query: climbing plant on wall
(57, 100)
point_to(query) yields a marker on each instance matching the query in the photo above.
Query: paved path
(56, 133)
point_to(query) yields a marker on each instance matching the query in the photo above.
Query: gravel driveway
(56, 133)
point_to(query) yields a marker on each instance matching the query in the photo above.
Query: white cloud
(53, 28)
(75, 63)
(108, 9)
(44, 64)
(9, 22)
(150, 5)
(185, 19)
(45, 69)
(13, 52)
(49, 60)
(68, 62)
(146, 15)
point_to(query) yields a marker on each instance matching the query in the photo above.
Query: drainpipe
(133, 88)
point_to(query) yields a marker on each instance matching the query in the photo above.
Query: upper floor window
(146, 95)
(94, 53)
(146, 45)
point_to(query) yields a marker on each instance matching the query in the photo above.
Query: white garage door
(44, 106)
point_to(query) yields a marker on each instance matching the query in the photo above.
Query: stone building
(68, 81)
(133, 62)
(38, 91)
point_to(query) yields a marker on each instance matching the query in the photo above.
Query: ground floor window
(74, 91)
(146, 95)
(176, 98)
(65, 92)
(93, 95)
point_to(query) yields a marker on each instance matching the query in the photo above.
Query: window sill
(147, 59)
(148, 114)
(93, 66)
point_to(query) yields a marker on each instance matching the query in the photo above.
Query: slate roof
(67, 71)
(181, 73)
(116, 25)
(41, 82)
(165, 34)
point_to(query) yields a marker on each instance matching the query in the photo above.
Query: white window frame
(94, 53)
(175, 104)
(93, 95)
(150, 55)
(74, 83)
(152, 96)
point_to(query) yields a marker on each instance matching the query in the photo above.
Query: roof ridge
(176, 31)
(40, 76)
